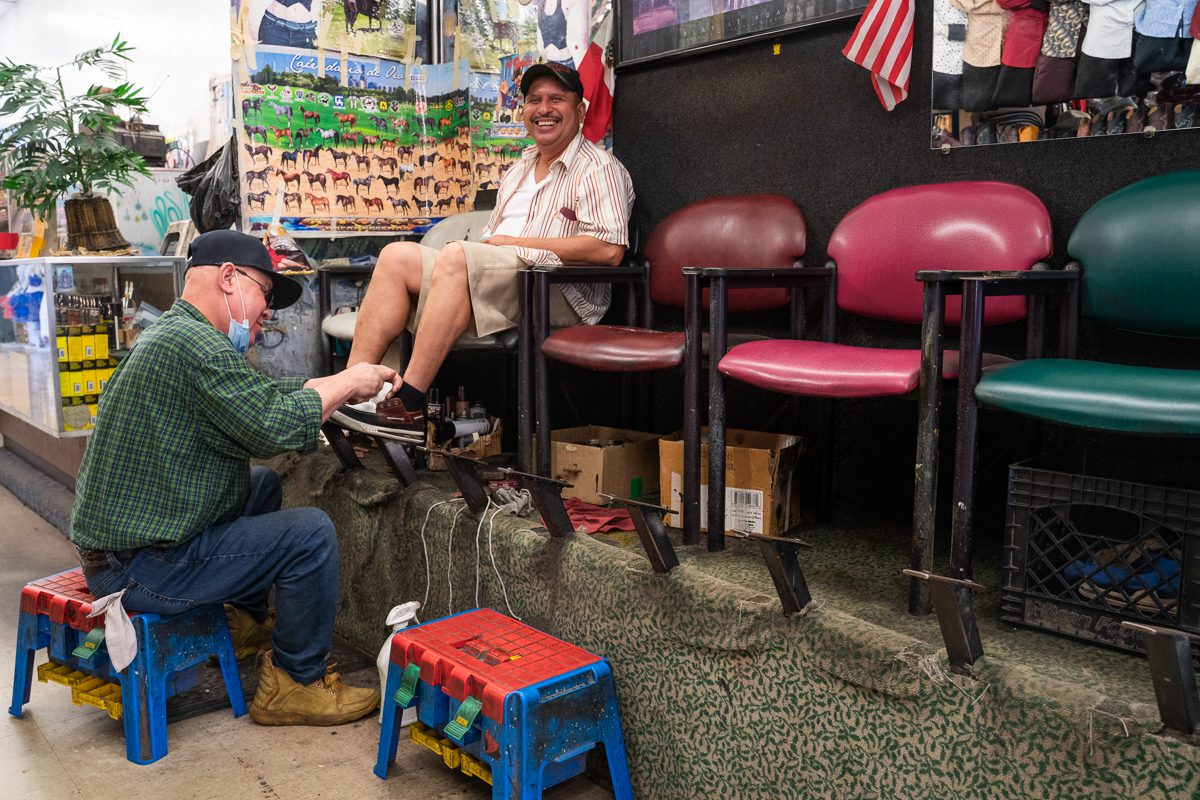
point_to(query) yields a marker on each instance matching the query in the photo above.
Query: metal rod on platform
(648, 522)
(780, 553)
(341, 445)
(1170, 655)
(464, 470)
(952, 602)
(547, 499)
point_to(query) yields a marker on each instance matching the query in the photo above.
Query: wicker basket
(92, 226)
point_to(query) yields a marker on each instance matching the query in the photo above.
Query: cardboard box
(759, 497)
(611, 460)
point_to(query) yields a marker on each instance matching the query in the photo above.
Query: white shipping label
(743, 507)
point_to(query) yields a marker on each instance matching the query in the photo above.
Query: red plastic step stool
(525, 704)
(54, 616)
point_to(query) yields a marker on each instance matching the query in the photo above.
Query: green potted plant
(56, 143)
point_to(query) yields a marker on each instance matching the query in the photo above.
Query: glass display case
(64, 325)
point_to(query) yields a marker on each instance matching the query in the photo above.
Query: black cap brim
(284, 290)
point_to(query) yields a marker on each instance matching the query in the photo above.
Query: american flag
(882, 43)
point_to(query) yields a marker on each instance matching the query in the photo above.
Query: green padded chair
(1137, 260)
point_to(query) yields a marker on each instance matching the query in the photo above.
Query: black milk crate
(1086, 548)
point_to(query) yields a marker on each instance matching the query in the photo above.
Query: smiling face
(552, 115)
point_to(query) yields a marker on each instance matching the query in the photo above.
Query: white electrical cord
(425, 548)
(450, 562)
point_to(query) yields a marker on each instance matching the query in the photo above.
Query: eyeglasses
(268, 292)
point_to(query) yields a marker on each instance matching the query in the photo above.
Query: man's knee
(451, 263)
(313, 529)
(397, 262)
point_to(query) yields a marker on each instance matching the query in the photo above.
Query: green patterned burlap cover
(722, 696)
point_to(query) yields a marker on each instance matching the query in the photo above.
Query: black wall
(807, 124)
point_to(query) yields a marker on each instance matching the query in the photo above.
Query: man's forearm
(571, 249)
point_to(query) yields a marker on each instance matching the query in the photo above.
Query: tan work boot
(281, 701)
(249, 635)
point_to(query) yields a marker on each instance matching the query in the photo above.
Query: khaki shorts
(492, 284)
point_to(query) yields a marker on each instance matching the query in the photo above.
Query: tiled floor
(66, 752)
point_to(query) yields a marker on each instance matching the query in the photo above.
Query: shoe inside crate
(1088, 547)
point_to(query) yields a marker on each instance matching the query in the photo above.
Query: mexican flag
(596, 74)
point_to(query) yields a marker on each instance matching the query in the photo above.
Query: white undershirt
(516, 210)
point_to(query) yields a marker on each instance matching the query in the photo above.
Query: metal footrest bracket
(342, 448)
(648, 522)
(952, 603)
(1170, 655)
(465, 472)
(547, 499)
(782, 562)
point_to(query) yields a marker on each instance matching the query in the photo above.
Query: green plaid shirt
(178, 424)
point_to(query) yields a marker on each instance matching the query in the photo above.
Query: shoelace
(332, 682)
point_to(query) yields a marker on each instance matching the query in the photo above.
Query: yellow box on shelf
(99, 693)
(452, 756)
(63, 674)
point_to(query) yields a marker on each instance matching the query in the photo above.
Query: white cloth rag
(368, 406)
(119, 635)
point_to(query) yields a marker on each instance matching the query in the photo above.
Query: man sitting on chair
(566, 201)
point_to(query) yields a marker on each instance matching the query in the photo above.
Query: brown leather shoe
(249, 635)
(390, 420)
(281, 701)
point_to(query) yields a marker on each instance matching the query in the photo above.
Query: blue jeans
(238, 562)
(285, 33)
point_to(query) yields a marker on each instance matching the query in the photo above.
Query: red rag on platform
(596, 519)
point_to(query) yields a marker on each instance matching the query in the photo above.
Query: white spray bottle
(397, 619)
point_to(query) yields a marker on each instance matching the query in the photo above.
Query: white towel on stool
(119, 635)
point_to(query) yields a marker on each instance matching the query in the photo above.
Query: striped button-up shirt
(178, 424)
(588, 193)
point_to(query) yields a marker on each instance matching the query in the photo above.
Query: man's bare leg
(384, 311)
(444, 318)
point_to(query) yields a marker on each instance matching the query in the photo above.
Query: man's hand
(353, 385)
(581, 249)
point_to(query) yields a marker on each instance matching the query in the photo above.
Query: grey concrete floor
(67, 752)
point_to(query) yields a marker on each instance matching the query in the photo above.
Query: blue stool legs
(389, 731)
(28, 643)
(538, 745)
(167, 647)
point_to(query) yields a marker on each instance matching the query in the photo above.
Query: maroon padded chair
(876, 252)
(733, 232)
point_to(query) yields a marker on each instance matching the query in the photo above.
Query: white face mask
(239, 332)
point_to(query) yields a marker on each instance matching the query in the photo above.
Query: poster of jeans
(1007, 71)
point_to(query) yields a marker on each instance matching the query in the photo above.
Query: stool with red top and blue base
(170, 653)
(503, 701)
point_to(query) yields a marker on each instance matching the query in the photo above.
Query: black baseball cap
(216, 247)
(567, 76)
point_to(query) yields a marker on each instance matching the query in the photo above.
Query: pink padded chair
(876, 252)
(733, 232)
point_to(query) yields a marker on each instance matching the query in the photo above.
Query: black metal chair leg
(956, 617)
(966, 440)
(929, 410)
(1170, 655)
(524, 372)
(825, 425)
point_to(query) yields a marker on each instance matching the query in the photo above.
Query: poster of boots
(1009, 71)
(380, 154)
